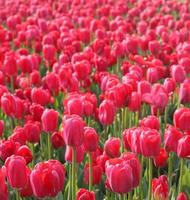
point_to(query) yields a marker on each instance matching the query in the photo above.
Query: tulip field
(94, 100)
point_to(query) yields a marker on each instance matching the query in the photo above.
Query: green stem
(73, 173)
(70, 182)
(130, 196)
(181, 175)
(17, 195)
(49, 146)
(150, 179)
(170, 169)
(90, 171)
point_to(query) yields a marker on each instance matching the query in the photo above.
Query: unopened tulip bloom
(4, 195)
(49, 120)
(181, 118)
(150, 121)
(183, 149)
(73, 130)
(84, 194)
(161, 159)
(182, 196)
(112, 147)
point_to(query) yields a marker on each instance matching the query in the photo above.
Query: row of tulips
(94, 99)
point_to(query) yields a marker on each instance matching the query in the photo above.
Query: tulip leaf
(186, 180)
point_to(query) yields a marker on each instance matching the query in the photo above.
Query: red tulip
(160, 188)
(7, 149)
(183, 147)
(49, 52)
(97, 174)
(4, 195)
(161, 159)
(119, 175)
(47, 179)
(182, 196)
(107, 112)
(132, 160)
(49, 120)
(169, 85)
(16, 171)
(74, 105)
(52, 81)
(171, 138)
(112, 147)
(150, 122)
(84, 194)
(73, 130)
(150, 142)
(154, 47)
(90, 139)
(181, 118)
(184, 93)
(57, 140)
(18, 135)
(25, 152)
(134, 102)
(178, 74)
(40, 96)
(10, 65)
(32, 131)
(36, 111)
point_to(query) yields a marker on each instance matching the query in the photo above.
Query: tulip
(49, 120)
(40, 96)
(181, 118)
(106, 112)
(16, 171)
(154, 47)
(74, 106)
(73, 130)
(182, 196)
(90, 139)
(134, 102)
(84, 194)
(171, 138)
(32, 131)
(160, 188)
(161, 159)
(182, 148)
(7, 149)
(4, 195)
(184, 93)
(47, 179)
(150, 142)
(150, 122)
(25, 152)
(178, 74)
(112, 147)
(57, 140)
(96, 173)
(119, 176)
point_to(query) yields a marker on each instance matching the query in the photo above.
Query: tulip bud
(90, 139)
(181, 118)
(150, 142)
(84, 194)
(16, 171)
(161, 159)
(49, 120)
(150, 122)
(106, 112)
(25, 152)
(183, 149)
(171, 137)
(154, 47)
(112, 147)
(57, 140)
(178, 74)
(182, 196)
(73, 130)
